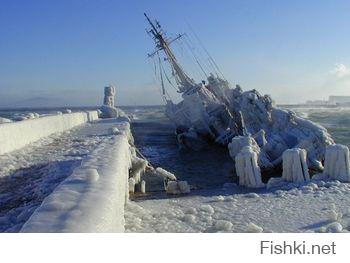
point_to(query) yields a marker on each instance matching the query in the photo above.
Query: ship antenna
(163, 44)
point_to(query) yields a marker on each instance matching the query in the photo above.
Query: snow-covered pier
(16, 135)
(92, 198)
(70, 175)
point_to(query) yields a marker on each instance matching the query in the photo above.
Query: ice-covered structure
(108, 109)
(294, 166)
(211, 111)
(4, 120)
(109, 96)
(247, 168)
(337, 162)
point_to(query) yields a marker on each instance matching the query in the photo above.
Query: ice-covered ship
(211, 111)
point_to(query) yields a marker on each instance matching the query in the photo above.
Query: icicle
(294, 166)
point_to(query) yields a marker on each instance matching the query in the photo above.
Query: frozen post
(109, 96)
(143, 186)
(131, 185)
(247, 168)
(337, 162)
(294, 166)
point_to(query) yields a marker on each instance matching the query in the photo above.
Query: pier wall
(92, 199)
(16, 135)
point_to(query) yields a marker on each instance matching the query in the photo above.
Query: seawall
(16, 135)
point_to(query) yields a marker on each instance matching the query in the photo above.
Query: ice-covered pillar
(294, 166)
(247, 168)
(336, 164)
(109, 96)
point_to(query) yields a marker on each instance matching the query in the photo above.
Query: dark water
(154, 136)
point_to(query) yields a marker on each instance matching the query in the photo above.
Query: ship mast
(184, 81)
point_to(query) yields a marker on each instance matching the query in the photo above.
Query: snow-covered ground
(317, 206)
(30, 174)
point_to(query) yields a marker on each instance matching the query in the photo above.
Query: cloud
(340, 71)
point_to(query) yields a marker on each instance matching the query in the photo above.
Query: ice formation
(177, 187)
(143, 187)
(253, 228)
(109, 96)
(15, 135)
(4, 120)
(247, 168)
(294, 166)
(248, 118)
(92, 199)
(239, 142)
(132, 185)
(108, 109)
(165, 174)
(138, 167)
(337, 162)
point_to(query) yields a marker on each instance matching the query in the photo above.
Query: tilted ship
(213, 112)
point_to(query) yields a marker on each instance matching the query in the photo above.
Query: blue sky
(66, 51)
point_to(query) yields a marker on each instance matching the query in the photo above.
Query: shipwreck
(212, 112)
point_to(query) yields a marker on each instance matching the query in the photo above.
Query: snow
(16, 135)
(4, 120)
(247, 168)
(30, 174)
(253, 228)
(177, 187)
(92, 198)
(112, 112)
(287, 209)
(165, 174)
(294, 166)
(337, 162)
(223, 225)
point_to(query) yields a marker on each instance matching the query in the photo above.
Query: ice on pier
(247, 168)
(109, 96)
(294, 166)
(132, 185)
(165, 174)
(4, 120)
(137, 168)
(92, 198)
(18, 134)
(108, 109)
(337, 162)
(178, 187)
(143, 186)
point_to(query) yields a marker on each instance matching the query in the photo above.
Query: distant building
(317, 102)
(339, 99)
